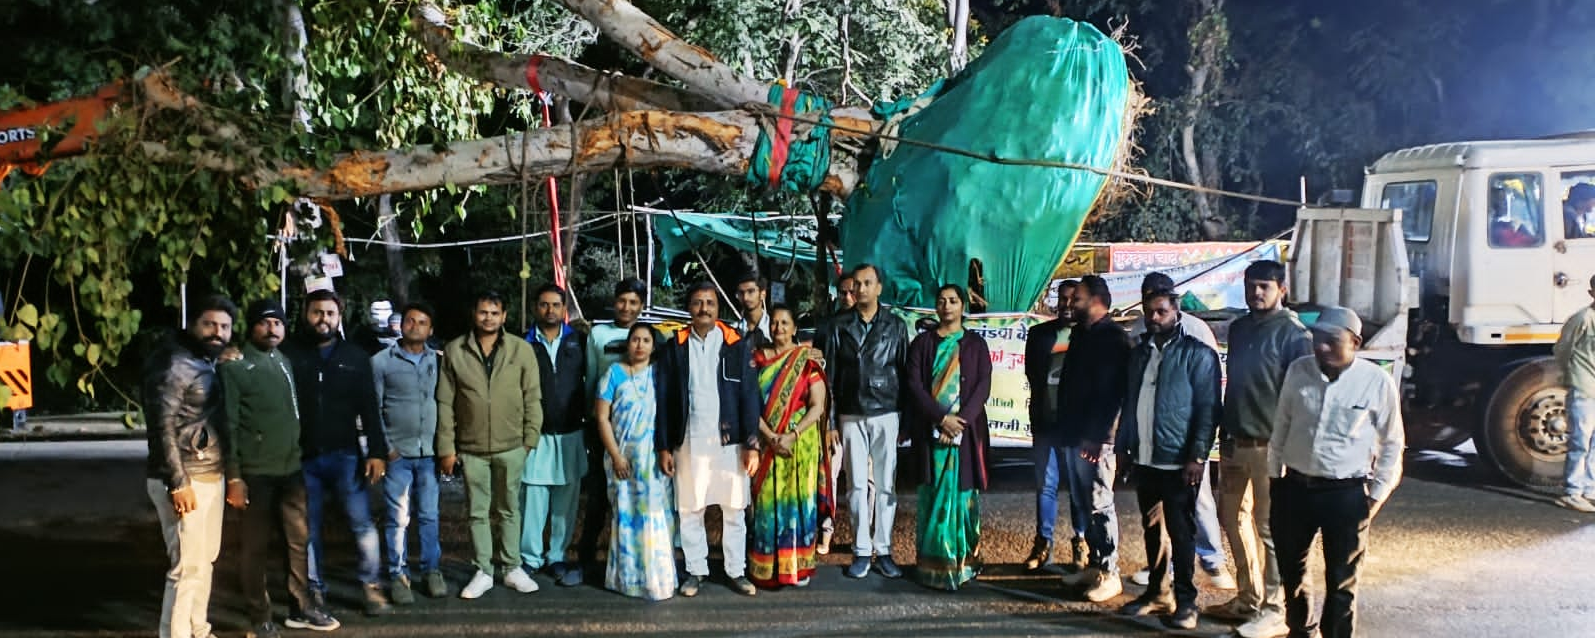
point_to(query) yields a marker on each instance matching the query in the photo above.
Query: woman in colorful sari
(642, 561)
(791, 493)
(948, 381)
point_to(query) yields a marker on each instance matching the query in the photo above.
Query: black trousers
(1168, 506)
(595, 515)
(1302, 508)
(275, 503)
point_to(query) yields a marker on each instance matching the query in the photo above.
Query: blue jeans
(1578, 474)
(1091, 492)
(1048, 457)
(411, 477)
(341, 471)
(1209, 536)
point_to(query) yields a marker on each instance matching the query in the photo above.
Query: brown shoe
(1040, 553)
(1081, 554)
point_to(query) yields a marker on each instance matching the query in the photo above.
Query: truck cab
(1500, 239)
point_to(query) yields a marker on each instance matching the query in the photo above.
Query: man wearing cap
(1335, 457)
(266, 483)
(1575, 356)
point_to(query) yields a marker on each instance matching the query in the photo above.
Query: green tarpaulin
(1046, 88)
(774, 236)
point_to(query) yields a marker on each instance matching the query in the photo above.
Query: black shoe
(266, 629)
(1040, 553)
(859, 568)
(314, 619)
(690, 586)
(743, 586)
(399, 590)
(1182, 618)
(887, 568)
(1148, 604)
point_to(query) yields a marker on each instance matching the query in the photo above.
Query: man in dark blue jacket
(1171, 409)
(551, 480)
(708, 433)
(1090, 390)
(340, 423)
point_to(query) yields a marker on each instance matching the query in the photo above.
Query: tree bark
(717, 142)
(958, 21)
(605, 91)
(294, 83)
(637, 32)
(398, 275)
(1205, 71)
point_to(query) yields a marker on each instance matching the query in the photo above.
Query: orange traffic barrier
(17, 374)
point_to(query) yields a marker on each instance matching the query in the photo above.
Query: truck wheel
(1525, 428)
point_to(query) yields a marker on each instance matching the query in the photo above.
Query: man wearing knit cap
(266, 483)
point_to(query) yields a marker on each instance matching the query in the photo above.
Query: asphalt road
(1451, 556)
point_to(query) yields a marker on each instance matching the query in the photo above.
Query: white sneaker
(479, 585)
(1106, 587)
(1576, 503)
(1266, 624)
(519, 581)
(1142, 577)
(1220, 578)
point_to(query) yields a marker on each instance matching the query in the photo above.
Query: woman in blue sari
(642, 560)
(949, 380)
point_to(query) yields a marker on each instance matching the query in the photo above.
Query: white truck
(1463, 262)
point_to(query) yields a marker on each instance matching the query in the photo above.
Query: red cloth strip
(781, 144)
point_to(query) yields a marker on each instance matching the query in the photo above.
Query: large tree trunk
(398, 275)
(626, 25)
(1209, 36)
(958, 21)
(294, 83)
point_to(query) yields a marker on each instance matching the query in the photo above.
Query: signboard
(1216, 282)
(1150, 257)
(16, 374)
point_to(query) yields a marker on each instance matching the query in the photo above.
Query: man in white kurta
(710, 455)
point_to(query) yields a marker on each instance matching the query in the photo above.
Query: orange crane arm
(22, 131)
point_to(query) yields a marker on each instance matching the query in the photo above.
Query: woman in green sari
(948, 381)
(791, 491)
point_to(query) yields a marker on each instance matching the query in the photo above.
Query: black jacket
(565, 402)
(337, 398)
(865, 369)
(741, 403)
(1186, 407)
(183, 413)
(1039, 342)
(1092, 385)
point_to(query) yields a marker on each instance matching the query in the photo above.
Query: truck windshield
(1416, 201)
(1517, 219)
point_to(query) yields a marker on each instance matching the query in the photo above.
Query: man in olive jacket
(490, 415)
(266, 482)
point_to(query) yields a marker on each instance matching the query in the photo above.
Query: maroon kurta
(923, 414)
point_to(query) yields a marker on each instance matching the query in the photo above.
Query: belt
(1319, 481)
(1241, 441)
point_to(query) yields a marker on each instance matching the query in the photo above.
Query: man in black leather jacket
(866, 349)
(187, 450)
(338, 415)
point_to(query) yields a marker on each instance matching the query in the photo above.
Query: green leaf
(93, 354)
(195, 141)
(79, 349)
(28, 315)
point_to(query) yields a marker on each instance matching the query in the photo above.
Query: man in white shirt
(1335, 457)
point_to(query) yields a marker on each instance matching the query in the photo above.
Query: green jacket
(258, 395)
(479, 415)
(1575, 351)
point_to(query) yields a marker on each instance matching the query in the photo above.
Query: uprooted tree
(710, 118)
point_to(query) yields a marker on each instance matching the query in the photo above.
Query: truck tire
(1524, 433)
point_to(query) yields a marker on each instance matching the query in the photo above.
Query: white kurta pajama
(709, 472)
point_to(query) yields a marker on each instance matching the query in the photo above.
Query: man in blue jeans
(1090, 391)
(1043, 368)
(406, 376)
(339, 425)
(1575, 356)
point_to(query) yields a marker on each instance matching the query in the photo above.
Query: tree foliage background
(101, 246)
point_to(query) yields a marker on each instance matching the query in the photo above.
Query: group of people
(657, 429)
(1309, 438)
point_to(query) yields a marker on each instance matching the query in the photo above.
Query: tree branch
(610, 92)
(718, 142)
(629, 27)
